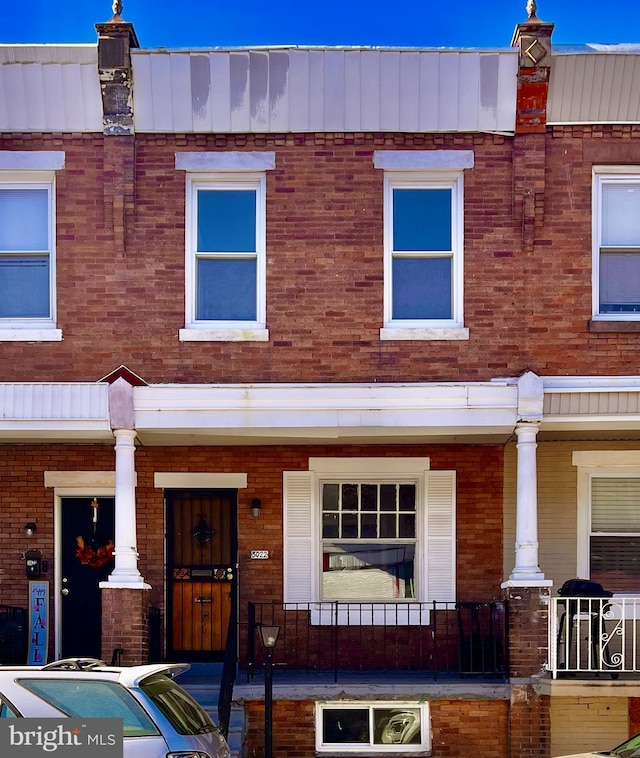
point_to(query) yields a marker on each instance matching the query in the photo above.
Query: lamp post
(268, 638)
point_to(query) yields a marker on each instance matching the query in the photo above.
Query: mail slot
(200, 599)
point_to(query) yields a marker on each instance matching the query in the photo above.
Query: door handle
(64, 591)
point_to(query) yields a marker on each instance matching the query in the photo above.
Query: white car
(628, 749)
(160, 719)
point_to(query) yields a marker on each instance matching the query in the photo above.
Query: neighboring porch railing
(13, 634)
(594, 635)
(436, 639)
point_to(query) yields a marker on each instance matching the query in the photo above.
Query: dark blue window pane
(226, 290)
(24, 220)
(421, 288)
(24, 287)
(421, 219)
(227, 221)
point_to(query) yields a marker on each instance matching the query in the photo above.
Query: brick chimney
(115, 40)
(533, 40)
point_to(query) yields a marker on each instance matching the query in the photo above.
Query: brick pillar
(529, 734)
(125, 624)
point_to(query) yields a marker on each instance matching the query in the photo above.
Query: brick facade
(324, 289)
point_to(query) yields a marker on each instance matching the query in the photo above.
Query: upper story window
(225, 246)
(423, 245)
(27, 245)
(616, 243)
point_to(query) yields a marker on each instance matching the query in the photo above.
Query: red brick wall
(460, 727)
(528, 629)
(529, 723)
(23, 498)
(527, 305)
(125, 625)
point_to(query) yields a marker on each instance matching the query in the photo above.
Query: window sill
(30, 335)
(596, 326)
(223, 335)
(407, 613)
(435, 333)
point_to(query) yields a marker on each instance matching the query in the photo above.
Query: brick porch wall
(125, 625)
(530, 733)
(460, 727)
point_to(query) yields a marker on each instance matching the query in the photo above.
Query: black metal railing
(438, 639)
(155, 635)
(229, 667)
(14, 627)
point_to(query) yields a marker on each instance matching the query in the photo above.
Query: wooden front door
(201, 566)
(87, 534)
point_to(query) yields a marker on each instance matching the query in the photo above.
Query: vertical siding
(591, 88)
(332, 89)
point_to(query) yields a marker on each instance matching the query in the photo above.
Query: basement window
(399, 728)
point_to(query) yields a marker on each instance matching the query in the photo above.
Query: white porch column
(125, 573)
(125, 553)
(526, 566)
(526, 572)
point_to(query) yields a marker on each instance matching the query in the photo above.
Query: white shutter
(300, 549)
(440, 536)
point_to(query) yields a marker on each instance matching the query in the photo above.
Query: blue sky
(410, 23)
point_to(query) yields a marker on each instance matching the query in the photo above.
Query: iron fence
(14, 628)
(457, 639)
(594, 635)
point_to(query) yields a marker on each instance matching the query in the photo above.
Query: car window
(184, 713)
(94, 699)
(629, 749)
(6, 711)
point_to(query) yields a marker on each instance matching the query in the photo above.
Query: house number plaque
(259, 555)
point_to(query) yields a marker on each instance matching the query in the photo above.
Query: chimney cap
(116, 7)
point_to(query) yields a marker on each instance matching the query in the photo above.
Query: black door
(87, 559)
(201, 573)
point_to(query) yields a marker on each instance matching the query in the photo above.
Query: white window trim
(351, 748)
(303, 540)
(602, 175)
(198, 330)
(243, 168)
(24, 170)
(426, 329)
(590, 464)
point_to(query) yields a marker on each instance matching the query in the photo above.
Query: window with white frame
(608, 546)
(374, 533)
(616, 243)
(614, 533)
(373, 727)
(225, 245)
(423, 243)
(368, 540)
(27, 245)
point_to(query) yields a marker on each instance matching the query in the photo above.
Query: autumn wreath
(94, 558)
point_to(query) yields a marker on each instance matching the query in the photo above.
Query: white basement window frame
(384, 727)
